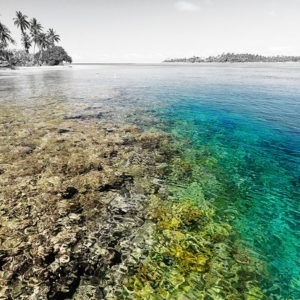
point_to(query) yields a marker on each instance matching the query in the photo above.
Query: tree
(52, 37)
(35, 30)
(20, 58)
(5, 37)
(42, 43)
(21, 21)
(53, 56)
(26, 42)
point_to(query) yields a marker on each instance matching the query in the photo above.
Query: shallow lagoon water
(238, 121)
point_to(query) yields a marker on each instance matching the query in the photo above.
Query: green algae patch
(195, 253)
(192, 258)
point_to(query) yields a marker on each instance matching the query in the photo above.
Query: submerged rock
(69, 192)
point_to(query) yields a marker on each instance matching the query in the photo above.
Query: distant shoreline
(34, 69)
(235, 58)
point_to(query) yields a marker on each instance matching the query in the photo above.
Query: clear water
(244, 117)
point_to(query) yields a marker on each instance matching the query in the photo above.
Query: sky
(150, 31)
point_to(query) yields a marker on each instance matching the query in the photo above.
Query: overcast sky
(152, 30)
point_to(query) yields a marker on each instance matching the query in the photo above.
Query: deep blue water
(245, 118)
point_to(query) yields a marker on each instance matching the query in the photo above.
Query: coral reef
(95, 209)
(193, 257)
(195, 253)
(73, 199)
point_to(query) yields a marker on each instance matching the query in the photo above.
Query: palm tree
(26, 41)
(52, 37)
(5, 37)
(43, 43)
(21, 21)
(35, 30)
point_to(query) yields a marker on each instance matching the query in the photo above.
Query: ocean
(234, 128)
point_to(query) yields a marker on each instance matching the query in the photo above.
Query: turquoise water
(240, 121)
(259, 167)
(248, 121)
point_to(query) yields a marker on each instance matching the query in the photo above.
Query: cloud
(186, 6)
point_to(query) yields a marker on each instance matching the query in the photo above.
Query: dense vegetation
(53, 56)
(232, 57)
(32, 37)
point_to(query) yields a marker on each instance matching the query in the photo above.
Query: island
(234, 57)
